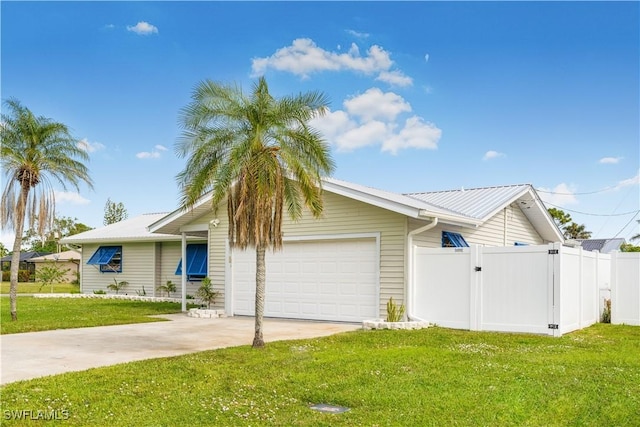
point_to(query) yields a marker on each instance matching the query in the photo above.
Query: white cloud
(370, 119)
(148, 155)
(395, 78)
(358, 34)
(303, 57)
(491, 154)
(160, 147)
(89, 147)
(143, 28)
(374, 104)
(610, 160)
(426, 57)
(628, 182)
(415, 134)
(560, 195)
(70, 197)
(109, 27)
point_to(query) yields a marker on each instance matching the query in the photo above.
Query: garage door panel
(323, 280)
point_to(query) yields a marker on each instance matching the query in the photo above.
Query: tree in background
(62, 227)
(3, 251)
(260, 154)
(114, 212)
(628, 247)
(569, 228)
(35, 151)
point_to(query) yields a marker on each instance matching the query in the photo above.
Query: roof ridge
(468, 189)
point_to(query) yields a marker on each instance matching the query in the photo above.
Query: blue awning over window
(103, 255)
(450, 239)
(196, 261)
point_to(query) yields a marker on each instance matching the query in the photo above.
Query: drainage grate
(323, 407)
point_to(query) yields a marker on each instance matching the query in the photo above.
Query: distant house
(342, 267)
(25, 262)
(68, 260)
(603, 246)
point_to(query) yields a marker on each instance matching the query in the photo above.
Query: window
(453, 240)
(109, 258)
(196, 262)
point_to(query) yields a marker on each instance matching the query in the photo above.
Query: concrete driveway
(38, 354)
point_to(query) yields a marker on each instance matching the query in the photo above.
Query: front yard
(43, 314)
(429, 377)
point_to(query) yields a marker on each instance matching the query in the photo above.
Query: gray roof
(128, 230)
(602, 245)
(24, 256)
(478, 203)
(61, 256)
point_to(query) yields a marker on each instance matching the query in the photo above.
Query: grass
(431, 377)
(42, 314)
(37, 288)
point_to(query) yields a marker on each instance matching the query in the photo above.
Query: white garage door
(320, 280)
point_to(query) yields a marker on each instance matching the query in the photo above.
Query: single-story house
(342, 267)
(68, 261)
(25, 262)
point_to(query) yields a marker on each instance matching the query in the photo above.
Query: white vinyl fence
(625, 290)
(548, 289)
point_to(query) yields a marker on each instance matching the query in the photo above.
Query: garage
(333, 280)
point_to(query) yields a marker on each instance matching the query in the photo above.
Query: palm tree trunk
(258, 341)
(15, 258)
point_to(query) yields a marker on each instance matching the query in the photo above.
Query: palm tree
(35, 151)
(260, 154)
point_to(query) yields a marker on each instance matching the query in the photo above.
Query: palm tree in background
(35, 152)
(260, 154)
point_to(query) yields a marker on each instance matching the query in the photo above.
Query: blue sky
(424, 95)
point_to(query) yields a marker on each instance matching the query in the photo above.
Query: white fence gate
(547, 289)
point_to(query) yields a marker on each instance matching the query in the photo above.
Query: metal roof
(478, 203)
(602, 245)
(132, 229)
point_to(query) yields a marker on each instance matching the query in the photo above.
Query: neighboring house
(604, 246)
(25, 262)
(68, 261)
(343, 267)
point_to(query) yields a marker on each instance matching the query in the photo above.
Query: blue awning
(196, 261)
(450, 239)
(104, 255)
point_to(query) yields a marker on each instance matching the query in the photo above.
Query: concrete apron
(37, 354)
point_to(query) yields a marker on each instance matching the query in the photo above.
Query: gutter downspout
(410, 284)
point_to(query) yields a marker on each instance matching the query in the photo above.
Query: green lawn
(431, 377)
(42, 314)
(36, 288)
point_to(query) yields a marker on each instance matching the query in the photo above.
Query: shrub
(606, 313)
(206, 293)
(100, 292)
(394, 313)
(168, 288)
(23, 276)
(117, 286)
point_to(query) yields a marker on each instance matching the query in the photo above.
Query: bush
(606, 313)
(23, 276)
(206, 293)
(394, 313)
(100, 292)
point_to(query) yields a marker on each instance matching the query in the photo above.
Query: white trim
(310, 237)
(228, 279)
(194, 227)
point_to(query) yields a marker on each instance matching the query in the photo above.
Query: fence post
(475, 289)
(614, 287)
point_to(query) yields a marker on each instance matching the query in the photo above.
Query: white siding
(138, 268)
(491, 233)
(171, 253)
(341, 215)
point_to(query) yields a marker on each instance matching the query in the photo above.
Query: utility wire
(627, 224)
(592, 214)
